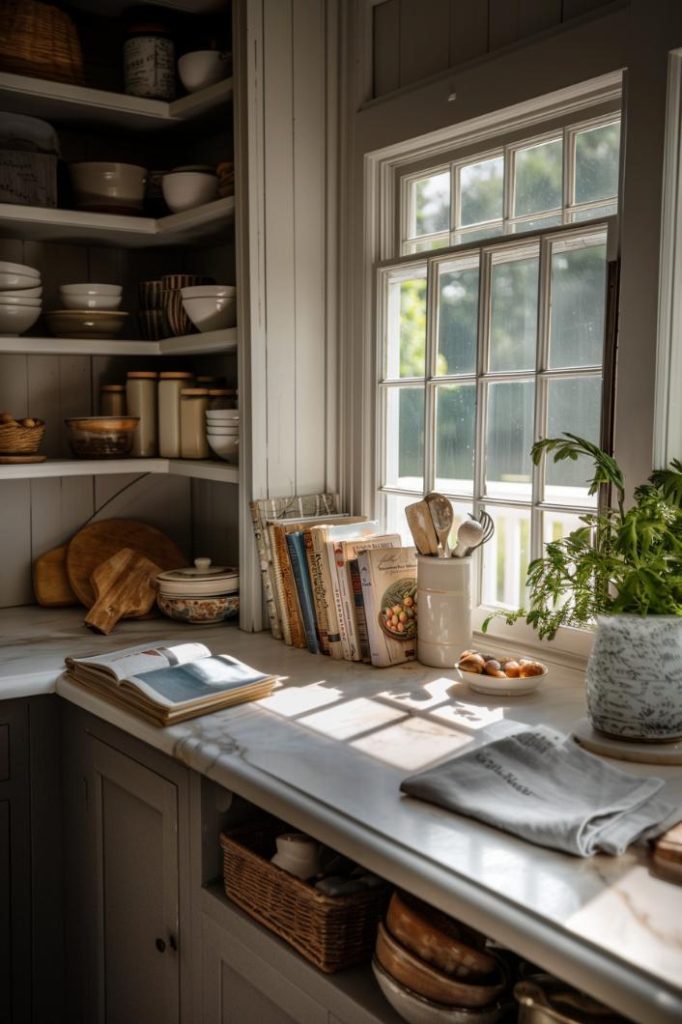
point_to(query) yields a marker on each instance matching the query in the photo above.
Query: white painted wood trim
(197, 469)
(184, 345)
(667, 404)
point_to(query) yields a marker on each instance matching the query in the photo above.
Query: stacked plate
(90, 311)
(20, 297)
(222, 433)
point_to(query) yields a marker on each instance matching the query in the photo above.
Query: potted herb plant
(621, 570)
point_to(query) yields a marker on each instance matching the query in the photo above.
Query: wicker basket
(18, 440)
(331, 931)
(40, 40)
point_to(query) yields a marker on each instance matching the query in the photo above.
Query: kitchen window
(492, 320)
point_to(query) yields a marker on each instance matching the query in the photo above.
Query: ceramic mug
(297, 854)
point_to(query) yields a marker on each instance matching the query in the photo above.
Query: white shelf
(197, 470)
(44, 224)
(60, 102)
(219, 342)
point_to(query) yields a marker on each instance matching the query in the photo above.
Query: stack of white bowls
(210, 307)
(89, 311)
(222, 433)
(20, 297)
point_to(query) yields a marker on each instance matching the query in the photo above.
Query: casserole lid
(199, 580)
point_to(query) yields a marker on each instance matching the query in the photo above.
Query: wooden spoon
(442, 516)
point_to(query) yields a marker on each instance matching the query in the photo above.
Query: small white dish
(90, 300)
(201, 68)
(10, 280)
(502, 687)
(185, 190)
(208, 291)
(213, 314)
(19, 268)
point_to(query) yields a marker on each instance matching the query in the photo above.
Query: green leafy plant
(619, 560)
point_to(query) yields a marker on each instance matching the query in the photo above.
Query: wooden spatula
(421, 527)
(125, 588)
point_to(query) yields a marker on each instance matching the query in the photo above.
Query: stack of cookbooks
(166, 682)
(333, 582)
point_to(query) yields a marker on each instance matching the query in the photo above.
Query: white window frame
(574, 106)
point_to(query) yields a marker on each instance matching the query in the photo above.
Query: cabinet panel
(5, 915)
(134, 834)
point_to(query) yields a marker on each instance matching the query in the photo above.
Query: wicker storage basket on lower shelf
(331, 931)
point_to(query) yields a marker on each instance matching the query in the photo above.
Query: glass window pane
(480, 186)
(426, 244)
(595, 212)
(556, 525)
(509, 437)
(573, 406)
(430, 204)
(393, 518)
(457, 317)
(539, 178)
(514, 312)
(596, 163)
(404, 438)
(455, 437)
(505, 558)
(550, 221)
(406, 325)
(578, 298)
(476, 234)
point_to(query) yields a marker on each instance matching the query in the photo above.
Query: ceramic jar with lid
(112, 400)
(171, 384)
(149, 59)
(201, 594)
(193, 406)
(141, 400)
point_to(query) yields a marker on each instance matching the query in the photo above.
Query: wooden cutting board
(668, 851)
(50, 582)
(98, 541)
(125, 588)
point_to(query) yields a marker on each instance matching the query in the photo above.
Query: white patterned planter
(634, 677)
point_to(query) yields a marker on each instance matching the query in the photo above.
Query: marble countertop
(327, 753)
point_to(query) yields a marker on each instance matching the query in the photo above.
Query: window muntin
(513, 335)
(561, 177)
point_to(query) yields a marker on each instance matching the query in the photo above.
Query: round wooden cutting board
(99, 541)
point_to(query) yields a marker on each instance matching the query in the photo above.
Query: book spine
(299, 566)
(262, 537)
(317, 587)
(288, 588)
(343, 552)
(371, 611)
(279, 585)
(338, 601)
(327, 601)
(360, 616)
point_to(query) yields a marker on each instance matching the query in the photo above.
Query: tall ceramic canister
(444, 602)
(141, 401)
(171, 383)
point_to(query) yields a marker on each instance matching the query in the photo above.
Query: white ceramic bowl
(415, 1009)
(91, 289)
(89, 300)
(222, 414)
(184, 190)
(226, 448)
(202, 68)
(211, 314)
(108, 187)
(19, 268)
(21, 293)
(11, 280)
(17, 319)
(502, 687)
(209, 291)
(18, 300)
(222, 432)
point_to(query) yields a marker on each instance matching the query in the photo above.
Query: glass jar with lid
(171, 384)
(141, 400)
(193, 406)
(149, 56)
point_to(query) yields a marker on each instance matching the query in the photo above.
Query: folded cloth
(543, 787)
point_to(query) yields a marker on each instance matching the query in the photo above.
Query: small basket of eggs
(492, 673)
(20, 438)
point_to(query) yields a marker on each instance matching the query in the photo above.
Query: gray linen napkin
(543, 787)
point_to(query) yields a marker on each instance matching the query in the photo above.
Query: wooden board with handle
(668, 851)
(50, 580)
(98, 541)
(125, 588)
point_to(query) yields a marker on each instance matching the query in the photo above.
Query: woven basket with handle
(331, 931)
(18, 440)
(40, 40)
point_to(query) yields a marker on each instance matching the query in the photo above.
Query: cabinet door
(134, 824)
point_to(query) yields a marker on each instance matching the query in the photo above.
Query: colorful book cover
(299, 564)
(389, 588)
(321, 577)
(342, 551)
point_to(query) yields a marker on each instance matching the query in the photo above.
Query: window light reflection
(412, 744)
(351, 718)
(297, 700)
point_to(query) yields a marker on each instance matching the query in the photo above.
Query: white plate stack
(222, 433)
(20, 297)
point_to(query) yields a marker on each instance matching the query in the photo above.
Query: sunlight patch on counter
(413, 743)
(350, 718)
(297, 700)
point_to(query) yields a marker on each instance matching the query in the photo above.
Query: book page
(194, 682)
(145, 658)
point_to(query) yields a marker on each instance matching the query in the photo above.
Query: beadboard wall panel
(413, 40)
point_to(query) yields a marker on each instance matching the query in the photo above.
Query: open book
(167, 682)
